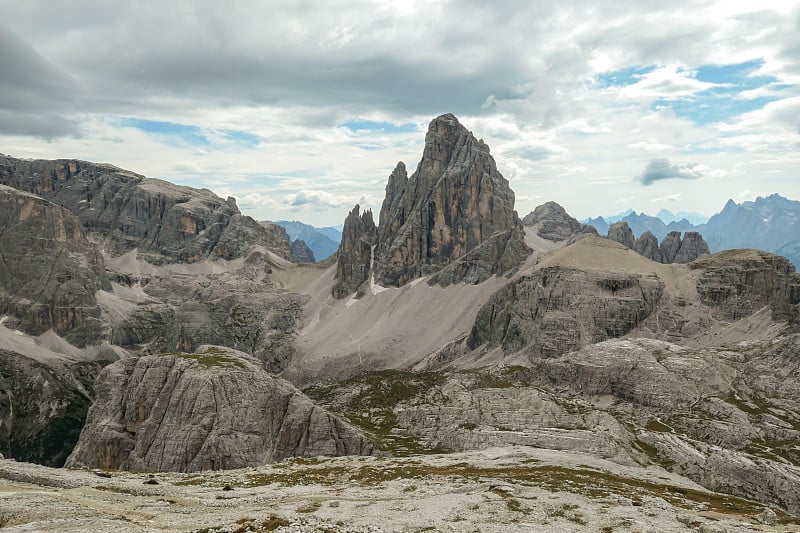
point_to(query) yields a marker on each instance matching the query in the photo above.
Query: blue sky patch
(177, 133)
(360, 124)
(174, 133)
(242, 138)
(717, 104)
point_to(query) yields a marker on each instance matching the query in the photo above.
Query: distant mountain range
(769, 224)
(323, 241)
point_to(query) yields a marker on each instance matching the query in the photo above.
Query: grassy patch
(249, 525)
(211, 358)
(368, 402)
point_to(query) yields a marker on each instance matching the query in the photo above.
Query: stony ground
(501, 489)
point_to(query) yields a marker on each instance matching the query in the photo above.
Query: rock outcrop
(126, 211)
(673, 249)
(49, 271)
(647, 245)
(737, 283)
(301, 253)
(670, 246)
(355, 255)
(215, 409)
(559, 308)
(692, 246)
(551, 222)
(42, 407)
(456, 211)
(621, 232)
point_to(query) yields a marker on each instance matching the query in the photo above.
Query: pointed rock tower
(453, 218)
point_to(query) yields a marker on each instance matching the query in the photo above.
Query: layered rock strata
(49, 271)
(215, 409)
(126, 211)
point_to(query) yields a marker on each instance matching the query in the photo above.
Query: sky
(300, 109)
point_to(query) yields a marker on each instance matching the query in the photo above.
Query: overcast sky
(302, 108)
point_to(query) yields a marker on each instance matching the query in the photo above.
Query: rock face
(670, 246)
(737, 283)
(216, 409)
(551, 222)
(692, 246)
(555, 309)
(49, 271)
(673, 249)
(647, 245)
(126, 211)
(621, 232)
(455, 207)
(42, 407)
(354, 258)
(301, 253)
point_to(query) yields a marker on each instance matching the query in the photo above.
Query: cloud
(318, 198)
(670, 82)
(672, 197)
(663, 169)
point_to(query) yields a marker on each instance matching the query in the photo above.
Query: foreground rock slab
(495, 490)
(214, 409)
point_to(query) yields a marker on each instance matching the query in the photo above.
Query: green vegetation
(212, 357)
(368, 402)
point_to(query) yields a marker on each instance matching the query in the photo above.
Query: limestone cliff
(49, 271)
(557, 308)
(215, 409)
(354, 258)
(126, 211)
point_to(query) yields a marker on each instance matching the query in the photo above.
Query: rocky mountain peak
(552, 222)
(354, 258)
(622, 233)
(456, 212)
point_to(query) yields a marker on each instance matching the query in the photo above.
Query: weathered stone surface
(737, 283)
(555, 309)
(163, 221)
(216, 409)
(647, 245)
(621, 232)
(49, 271)
(455, 201)
(692, 246)
(301, 253)
(42, 407)
(354, 258)
(241, 308)
(502, 253)
(670, 246)
(552, 222)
